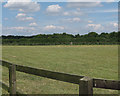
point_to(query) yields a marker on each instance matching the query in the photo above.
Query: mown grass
(98, 61)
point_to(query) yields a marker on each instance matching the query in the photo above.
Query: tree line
(92, 38)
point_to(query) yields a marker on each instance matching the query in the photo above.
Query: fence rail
(75, 79)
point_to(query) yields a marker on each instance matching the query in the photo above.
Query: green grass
(98, 61)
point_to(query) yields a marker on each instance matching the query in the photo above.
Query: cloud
(114, 24)
(32, 30)
(66, 14)
(23, 17)
(95, 27)
(75, 19)
(22, 5)
(54, 8)
(73, 13)
(108, 27)
(111, 10)
(104, 11)
(76, 12)
(18, 30)
(89, 21)
(33, 24)
(84, 4)
(52, 27)
(28, 18)
(20, 15)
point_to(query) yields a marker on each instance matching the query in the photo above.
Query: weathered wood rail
(86, 84)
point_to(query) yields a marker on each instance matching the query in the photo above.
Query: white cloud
(23, 17)
(33, 24)
(66, 13)
(89, 21)
(104, 11)
(114, 24)
(76, 12)
(71, 13)
(108, 27)
(95, 27)
(84, 4)
(75, 19)
(17, 28)
(49, 27)
(22, 5)
(28, 18)
(20, 15)
(111, 10)
(20, 28)
(54, 8)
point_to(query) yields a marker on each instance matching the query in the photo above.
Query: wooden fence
(86, 84)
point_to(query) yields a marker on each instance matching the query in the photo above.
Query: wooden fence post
(12, 79)
(86, 86)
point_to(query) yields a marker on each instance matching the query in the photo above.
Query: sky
(32, 18)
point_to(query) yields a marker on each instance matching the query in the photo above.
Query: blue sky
(31, 18)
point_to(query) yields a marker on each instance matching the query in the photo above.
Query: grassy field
(98, 61)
